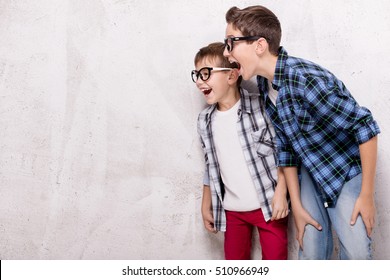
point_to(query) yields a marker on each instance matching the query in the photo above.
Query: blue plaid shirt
(318, 123)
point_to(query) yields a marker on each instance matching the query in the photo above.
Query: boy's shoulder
(204, 117)
(249, 99)
(304, 68)
(245, 94)
(297, 67)
(207, 111)
(301, 64)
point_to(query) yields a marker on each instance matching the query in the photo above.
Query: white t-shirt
(272, 93)
(240, 191)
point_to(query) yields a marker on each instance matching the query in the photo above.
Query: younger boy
(241, 190)
(322, 133)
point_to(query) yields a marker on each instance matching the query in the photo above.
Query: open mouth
(206, 91)
(235, 64)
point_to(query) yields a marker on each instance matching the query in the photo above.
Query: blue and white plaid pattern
(257, 139)
(318, 123)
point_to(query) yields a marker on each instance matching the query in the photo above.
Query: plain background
(99, 154)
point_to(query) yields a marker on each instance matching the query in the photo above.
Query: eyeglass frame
(242, 38)
(198, 74)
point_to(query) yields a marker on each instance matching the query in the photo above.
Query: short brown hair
(214, 51)
(255, 21)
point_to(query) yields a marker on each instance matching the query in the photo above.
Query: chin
(243, 75)
(246, 77)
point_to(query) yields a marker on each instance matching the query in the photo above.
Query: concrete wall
(99, 155)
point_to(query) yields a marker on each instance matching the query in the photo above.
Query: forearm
(281, 185)
(365, 204)
(291, 177)
(207, 210)
(368, 155)
(206, 199)
(279, 201)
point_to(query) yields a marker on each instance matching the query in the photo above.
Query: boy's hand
(279, 204)
(208, 221)
(302, 218)
(206, 209)
(365, 206)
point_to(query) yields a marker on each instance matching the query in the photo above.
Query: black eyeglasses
(205, 73)
(230, 40)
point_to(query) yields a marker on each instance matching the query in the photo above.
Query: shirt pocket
(305, 121)
(263, 143)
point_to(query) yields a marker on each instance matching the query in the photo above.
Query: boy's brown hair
(257, 21)
(214, 51)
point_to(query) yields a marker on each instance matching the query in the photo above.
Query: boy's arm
(279, 201)
(343, 112)
(207, 210)
(365, 205)
(301, 216)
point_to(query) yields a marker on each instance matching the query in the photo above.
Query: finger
(300, 240)
(369, 231)
(280, 216)
(369, 226)
(315, 224)
(274, 215)
(210, 227)
(297, 238)
(354, 216)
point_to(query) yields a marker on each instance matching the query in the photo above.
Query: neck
(230, 100)
(268, 65)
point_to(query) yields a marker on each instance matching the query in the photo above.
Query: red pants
(238, 236)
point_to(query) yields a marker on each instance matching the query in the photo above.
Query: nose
(199, 82)
(226, 53)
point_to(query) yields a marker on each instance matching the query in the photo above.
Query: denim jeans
(353, 240)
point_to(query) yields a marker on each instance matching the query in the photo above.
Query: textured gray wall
(99, 155)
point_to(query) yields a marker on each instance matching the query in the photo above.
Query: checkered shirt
(257, 138)
(318, 123)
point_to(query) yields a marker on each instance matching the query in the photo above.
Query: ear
(261, 46)
(233, 76)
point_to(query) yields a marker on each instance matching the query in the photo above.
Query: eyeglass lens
(229, 44)
(203, 73)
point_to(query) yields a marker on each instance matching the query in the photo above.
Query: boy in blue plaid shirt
(327, 143)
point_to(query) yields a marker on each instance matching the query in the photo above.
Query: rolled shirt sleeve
(331, 102)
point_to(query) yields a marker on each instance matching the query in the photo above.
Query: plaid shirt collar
(245, 107)
(279, 69)
(278, 75)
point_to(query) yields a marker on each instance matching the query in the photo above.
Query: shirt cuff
(206, 178)
(286, 159)
(366, 132)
